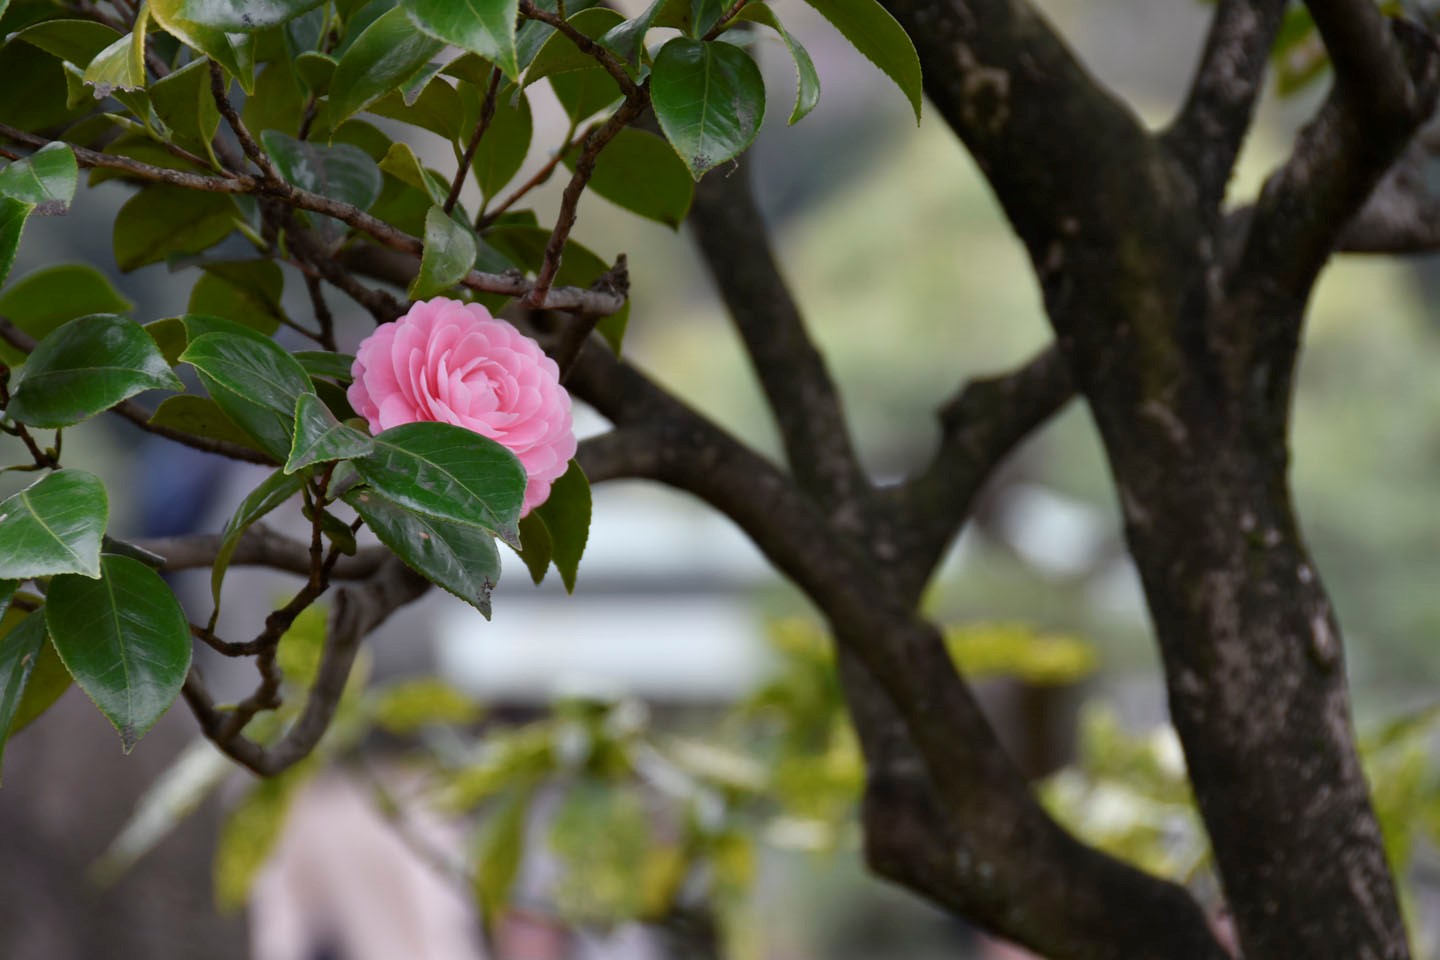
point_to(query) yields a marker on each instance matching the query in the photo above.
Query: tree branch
(358, 610)
(803, 399)
(572, 299)
(1385, 88)
(1207, 134)
(980, 425)
(259, 546)
(1056, 146)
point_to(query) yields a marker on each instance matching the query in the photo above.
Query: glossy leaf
(448, 472)
(120, 66)
(184, 102)
(43, 299)
(200, 417)
(85, 367)
(436, 108)
(709, 99)
(584, 93)
(251, 16)
(807, 92)
(638, 171)
(502, 150)
(459, 558)
(278, 102)
(255, 381)
(74, 41)
(448, 256)
(561, 55)
(275, 490)
(197, 23)
(13, 215)
(319, 437)
(316, 70)
(53, 526)
(566, 513)
(388, 51)
(402, 164)
(47, 178)
(627, 40)
(162, 220)
(7, 593)
(536, 550)
(42, 101)
(324, 363)
(871, 30)
(484, 27)
(19, 653)
(124, 639)
(245, 291)
(48, 681)
(340, 172)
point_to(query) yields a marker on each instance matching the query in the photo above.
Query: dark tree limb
(259, 546)
(1207, 134)
(980, 425)
(357, 610)
(802, 397)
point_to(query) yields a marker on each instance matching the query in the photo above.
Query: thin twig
(539, 178)
(487, 114)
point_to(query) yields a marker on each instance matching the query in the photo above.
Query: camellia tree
(1177, 319)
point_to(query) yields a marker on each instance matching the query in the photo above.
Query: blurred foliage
(1128, 794)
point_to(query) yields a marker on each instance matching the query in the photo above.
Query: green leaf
(448, 472)
(627, 40)
(245, 291)
(85, 367)
(499, 851)
(409, 705)
(74, 41)
(388, 51)
(638, 171)
(42, 101)
(252, 16)
(340, 172)
(566, 513)
(183, 101)
(316, 70)
(319, 437)
(250, 833)
(502, 150)
(197, 24)
(43, 299)
(709, 99)
(402, 164)
(48, 680)
(324, 363)
(536, 550)
(7, 593)
(162, 220)
(448, 255)
(561, 55)
(53, 526)
(13, 215)
(19, 652)
(124, 639)
(807, 92)
(120, 66)
(275, 490)
(436, 108)
(871, 30)
(278, 102)
(484, 27)
(255, 381)
(459, 558)
(200, 417)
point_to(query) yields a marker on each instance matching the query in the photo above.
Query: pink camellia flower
(454, 363)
